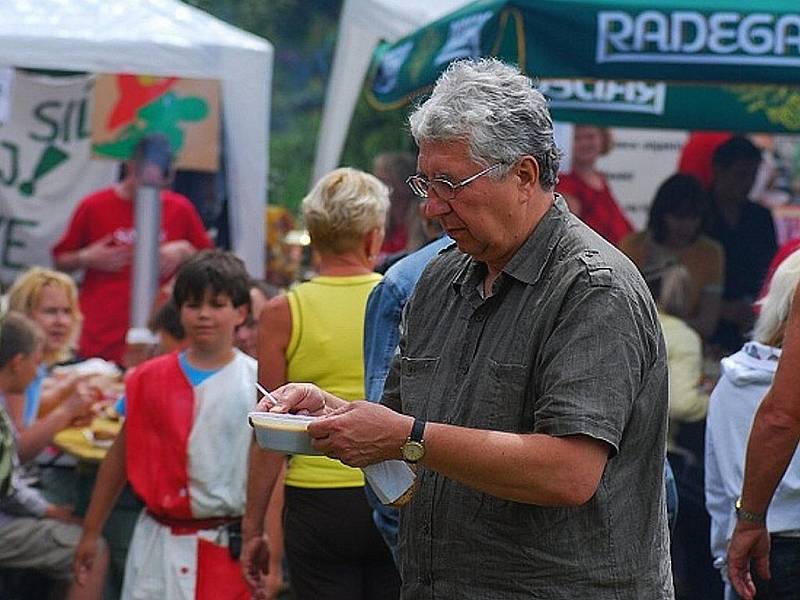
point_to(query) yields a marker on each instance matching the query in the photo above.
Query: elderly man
(773, 440)
(531, 385)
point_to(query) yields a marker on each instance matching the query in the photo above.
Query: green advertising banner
(729, 64)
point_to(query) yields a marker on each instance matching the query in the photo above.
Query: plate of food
(282, 432)
(99, 437)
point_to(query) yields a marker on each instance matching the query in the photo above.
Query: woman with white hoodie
(745, 378)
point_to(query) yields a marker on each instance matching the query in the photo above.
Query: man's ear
(527, 171)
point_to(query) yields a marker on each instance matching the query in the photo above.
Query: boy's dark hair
(18, 335)
(680, 195)
(220, 271)
(735, 149)
(168, 318)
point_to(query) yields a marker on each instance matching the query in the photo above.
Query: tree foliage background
(303, 33)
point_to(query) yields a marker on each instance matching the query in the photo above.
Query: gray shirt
(568, 343)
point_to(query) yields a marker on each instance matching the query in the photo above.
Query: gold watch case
(412, 451)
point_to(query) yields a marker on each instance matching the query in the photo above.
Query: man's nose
(436, 207)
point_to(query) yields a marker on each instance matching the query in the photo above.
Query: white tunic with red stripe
(186, 457)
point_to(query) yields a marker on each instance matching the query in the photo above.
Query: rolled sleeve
(592, 367)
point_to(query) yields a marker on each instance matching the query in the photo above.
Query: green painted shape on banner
(164, 115)
(49, 160)
(694, 50)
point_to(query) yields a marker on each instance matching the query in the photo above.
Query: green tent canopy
(719, 64)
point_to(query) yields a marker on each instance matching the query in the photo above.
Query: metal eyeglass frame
(420, 186)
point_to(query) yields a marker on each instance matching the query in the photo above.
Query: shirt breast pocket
(417, 378)
(499, 401)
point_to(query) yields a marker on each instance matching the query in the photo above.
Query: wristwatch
(414, 448)
(750, 517)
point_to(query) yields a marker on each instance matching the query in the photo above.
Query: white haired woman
(746, 377)
(314, 333)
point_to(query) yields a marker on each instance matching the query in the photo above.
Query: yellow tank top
(326, 348)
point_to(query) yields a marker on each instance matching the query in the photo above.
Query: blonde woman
(746, 378)
(314, 333)
(50, 299)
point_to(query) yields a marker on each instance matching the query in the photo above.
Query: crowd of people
(496, 324)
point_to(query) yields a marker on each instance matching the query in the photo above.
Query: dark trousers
(692, 565)
(784, 570)
(334, 549)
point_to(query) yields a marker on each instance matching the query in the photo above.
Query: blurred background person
(746, 232)
(403, 232)
(697, 152)
(247, 332)
(166, 324)
(99, 240)
(746, 378)
(585, 188)
(50, 402)
(674, 234)
(314, 333)
(35, 534)
(692, 568)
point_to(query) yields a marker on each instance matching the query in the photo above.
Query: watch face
(413, 451)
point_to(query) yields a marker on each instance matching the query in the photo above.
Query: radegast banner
(45, 166)
(638, 63)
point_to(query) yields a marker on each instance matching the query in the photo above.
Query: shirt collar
(529, 261)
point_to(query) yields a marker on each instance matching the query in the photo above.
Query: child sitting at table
(184, 447)
(35, 534)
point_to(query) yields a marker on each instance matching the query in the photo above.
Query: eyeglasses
(444, 188)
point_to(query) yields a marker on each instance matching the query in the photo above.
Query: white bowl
(283, 433)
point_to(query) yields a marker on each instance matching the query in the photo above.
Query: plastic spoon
(266, 393)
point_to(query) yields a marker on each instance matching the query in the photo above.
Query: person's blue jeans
(671, 489)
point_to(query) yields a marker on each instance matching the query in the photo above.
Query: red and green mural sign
(128, 107)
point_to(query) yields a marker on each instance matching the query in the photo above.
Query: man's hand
(255, 563)
(85, 555)
(361, 433)
(750, 541)
(301, 399)
(171, 255)
(105, 255)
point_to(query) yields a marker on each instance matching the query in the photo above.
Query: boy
(184, 447)
(35, 534)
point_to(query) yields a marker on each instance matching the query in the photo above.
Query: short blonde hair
(26, 293)
(343, 206)
(775, 306)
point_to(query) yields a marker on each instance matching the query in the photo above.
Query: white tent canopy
(163, 38)
(362, 25)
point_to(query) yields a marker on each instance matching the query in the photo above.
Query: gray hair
(342, 207)
(775, 306)
(497, 110)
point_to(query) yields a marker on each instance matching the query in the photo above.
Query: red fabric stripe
(219, 577)
(160, 414)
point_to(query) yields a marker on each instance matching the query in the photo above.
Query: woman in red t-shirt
(586, 189)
